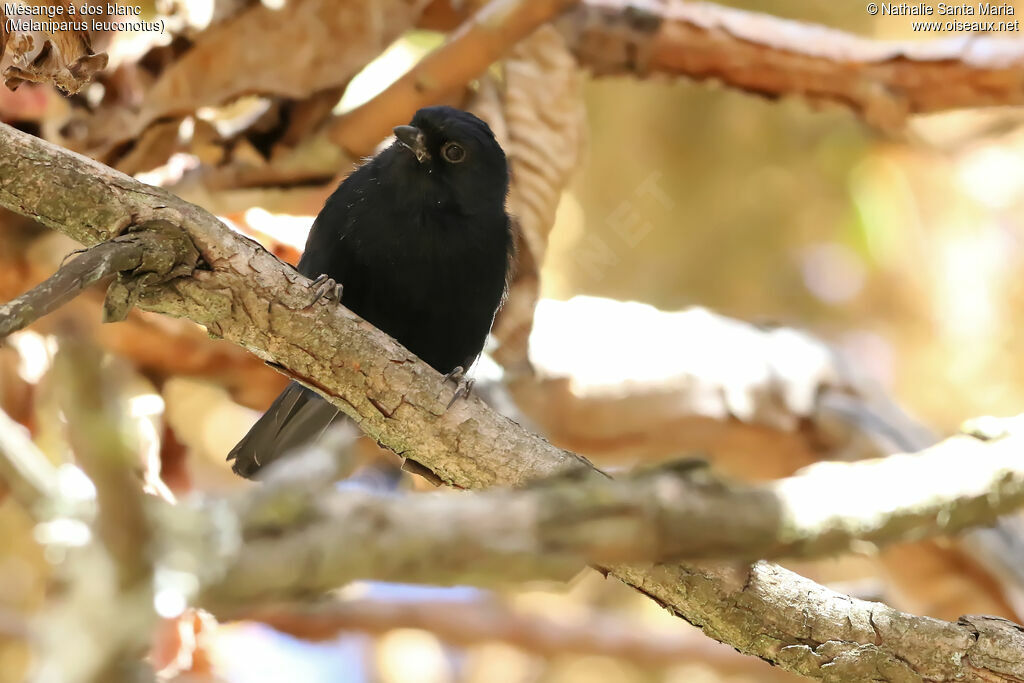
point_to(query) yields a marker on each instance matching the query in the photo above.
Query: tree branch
(883, 81)
(792, 401)
(783, 618)
(157, 345)
(94, 264)
(677, 512)
(292, 51)
(251, 298)
(104, 592)
(478, 43)
(97, 438)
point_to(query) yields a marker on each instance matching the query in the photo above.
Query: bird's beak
(412, 137)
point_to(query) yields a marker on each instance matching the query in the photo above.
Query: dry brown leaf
(479, 42)
(32, 54)
(300, 49)
(152, 148)
(542, 124)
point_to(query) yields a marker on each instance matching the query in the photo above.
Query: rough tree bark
(242, 293)
(882, 81)
(551, 529)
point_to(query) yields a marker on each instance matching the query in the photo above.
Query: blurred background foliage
(900, 249)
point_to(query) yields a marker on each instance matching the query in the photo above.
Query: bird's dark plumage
(420, 242)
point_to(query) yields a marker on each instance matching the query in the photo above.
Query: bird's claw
(325, 287)
(457, 373)
(463, 386)
(461, 391)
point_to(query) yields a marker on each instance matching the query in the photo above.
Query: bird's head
(454, 157)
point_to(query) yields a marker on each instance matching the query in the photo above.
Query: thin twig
(69, 281)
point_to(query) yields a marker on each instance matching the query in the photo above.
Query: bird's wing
(325, 251)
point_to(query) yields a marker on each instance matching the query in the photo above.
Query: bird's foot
(463, 386)
(325, 287)
(456, 374)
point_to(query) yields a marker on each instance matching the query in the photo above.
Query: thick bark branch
(672, 513)
(251, 298)
(883, 81)
(804, 627)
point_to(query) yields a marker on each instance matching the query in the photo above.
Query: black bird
(417, 242)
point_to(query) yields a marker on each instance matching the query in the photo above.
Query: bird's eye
(453, 152)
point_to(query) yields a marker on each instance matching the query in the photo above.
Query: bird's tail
(298, 416)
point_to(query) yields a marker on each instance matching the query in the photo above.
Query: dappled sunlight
(764, 264)
(694, 352)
